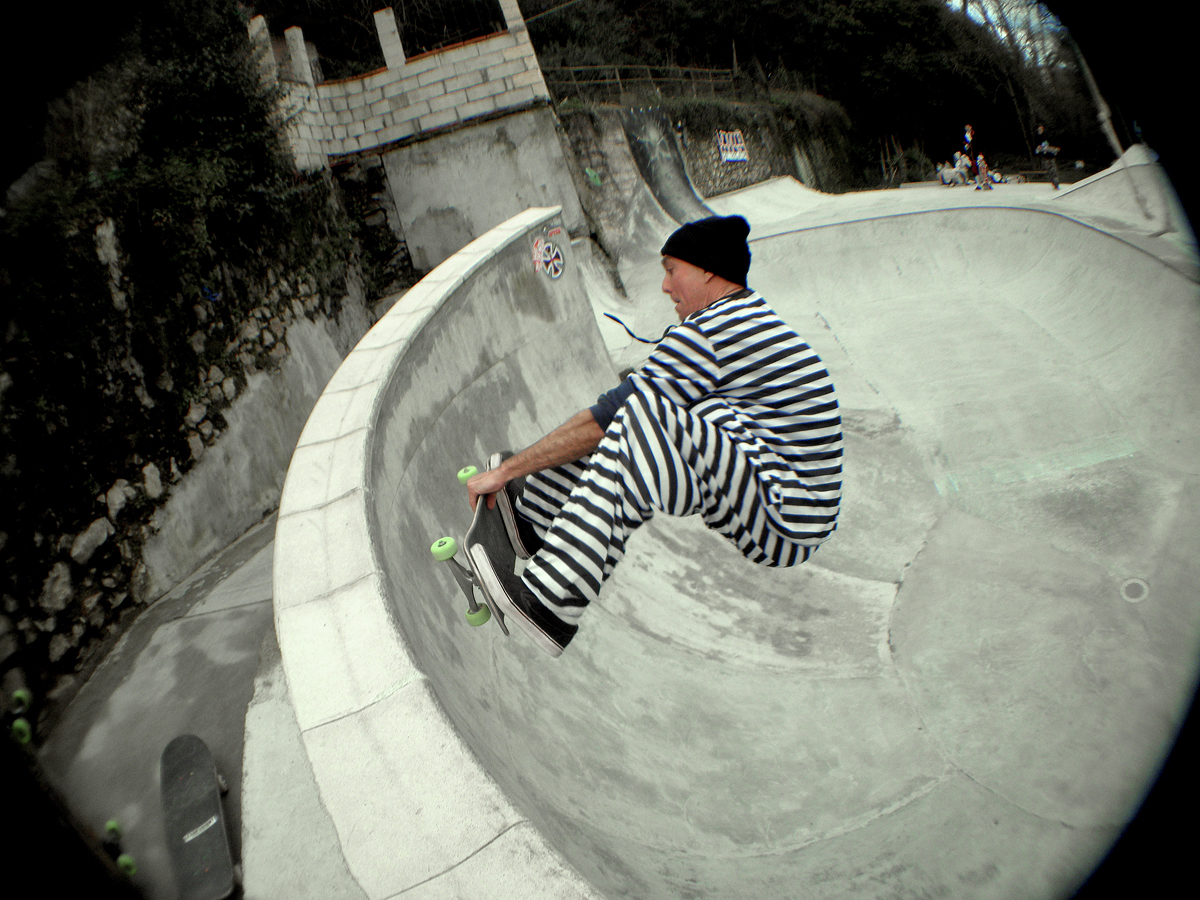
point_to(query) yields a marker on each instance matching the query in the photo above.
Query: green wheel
(479, 617)
(113, 829)
(22, 731)
(444, 548)
(466, 473)
(22, 699)
(126, 864)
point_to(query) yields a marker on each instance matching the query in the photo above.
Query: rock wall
(161, 522)
(711, 176)
(238, 479)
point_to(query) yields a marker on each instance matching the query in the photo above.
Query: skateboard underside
(487, 533)
(195, 821)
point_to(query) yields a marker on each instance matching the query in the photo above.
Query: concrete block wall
(409, 96)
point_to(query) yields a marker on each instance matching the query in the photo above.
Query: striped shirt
(738, 365)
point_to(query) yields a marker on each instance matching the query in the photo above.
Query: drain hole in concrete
(1135, 590)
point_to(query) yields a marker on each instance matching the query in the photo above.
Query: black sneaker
(519, 605)
(524, 539)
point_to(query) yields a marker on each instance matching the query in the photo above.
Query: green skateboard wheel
(444, 548)
(113, 829)
(22, 731)
(466, 473)
(126, 864)
(22, 699)
(479, 617)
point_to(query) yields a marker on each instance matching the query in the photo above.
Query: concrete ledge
(413, 809)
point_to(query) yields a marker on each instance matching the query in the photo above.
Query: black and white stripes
(734, 418)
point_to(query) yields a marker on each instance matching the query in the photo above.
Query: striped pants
(655, 455)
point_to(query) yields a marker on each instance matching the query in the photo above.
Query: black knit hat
(716, 244)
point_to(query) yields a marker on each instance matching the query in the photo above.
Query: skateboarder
(968, 151)
(1047, 152)
(733, 417)
(983, 178)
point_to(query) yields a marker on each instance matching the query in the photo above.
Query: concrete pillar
(512, 16)
(260, 40)
(389, 38)
(301, 69)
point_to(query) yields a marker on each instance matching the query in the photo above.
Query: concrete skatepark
(966, 692)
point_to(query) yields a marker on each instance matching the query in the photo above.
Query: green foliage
(178, 143)
(912, 70)
(347, 42)
(382, 260)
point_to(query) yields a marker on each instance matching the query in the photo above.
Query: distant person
(732, 418)
(950, 175)
(969, 150)
(983, 181)
(1047, 152)
(962, 166)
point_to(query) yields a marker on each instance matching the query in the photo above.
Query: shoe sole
(507, 513)
(496, 593)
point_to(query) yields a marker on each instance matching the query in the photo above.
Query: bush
(167, 202)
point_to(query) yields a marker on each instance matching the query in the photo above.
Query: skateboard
(486, 534)
(197, 837)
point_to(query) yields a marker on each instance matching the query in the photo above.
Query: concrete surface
(451, 189)
(414, 812)
(188, 664)
(968, 690)
(654, 146)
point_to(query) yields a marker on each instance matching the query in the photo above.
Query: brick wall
(407, 97)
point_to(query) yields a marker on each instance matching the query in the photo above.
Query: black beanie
(716, 244)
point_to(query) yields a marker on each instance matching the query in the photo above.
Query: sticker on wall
(732, 146)
(547, 257)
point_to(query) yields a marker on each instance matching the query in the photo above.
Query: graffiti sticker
(547, 258)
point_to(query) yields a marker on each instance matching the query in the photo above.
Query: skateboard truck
(444, 550)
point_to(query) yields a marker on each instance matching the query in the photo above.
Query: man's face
(687, 284)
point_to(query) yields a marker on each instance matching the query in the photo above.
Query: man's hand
(486, 484)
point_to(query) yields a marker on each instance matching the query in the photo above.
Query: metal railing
(612, 83)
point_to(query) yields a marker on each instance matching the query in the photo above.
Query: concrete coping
(413, 808)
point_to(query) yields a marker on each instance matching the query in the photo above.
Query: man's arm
(575, 438)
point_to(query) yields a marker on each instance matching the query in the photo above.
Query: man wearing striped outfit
(733, 418)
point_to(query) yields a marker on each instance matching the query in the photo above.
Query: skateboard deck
(489, 535)
(486, 535)
(197, 836)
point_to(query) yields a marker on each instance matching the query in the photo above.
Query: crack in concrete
(465, 859)
(943, 752)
